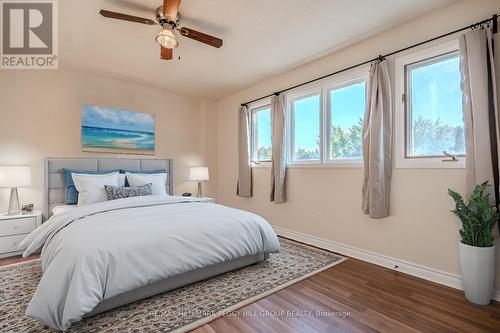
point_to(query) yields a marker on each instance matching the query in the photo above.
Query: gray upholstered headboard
(55, 191)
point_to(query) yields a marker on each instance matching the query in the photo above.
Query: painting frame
(113, 130)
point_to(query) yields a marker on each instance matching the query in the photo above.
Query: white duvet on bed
(95, 252)
(62, 208)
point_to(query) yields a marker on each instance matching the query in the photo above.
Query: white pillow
(121, 179)
(91, 187)
(158, 181)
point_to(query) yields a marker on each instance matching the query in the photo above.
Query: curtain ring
(478, 26)
(379, 59)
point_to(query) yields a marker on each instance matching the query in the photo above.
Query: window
(305, 113)
(261, 134)
(345, 121)
(325, 121)
(430, 112)
(434, 107)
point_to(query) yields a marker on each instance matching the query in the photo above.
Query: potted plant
(476, 250)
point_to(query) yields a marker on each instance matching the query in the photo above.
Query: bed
(108, 254)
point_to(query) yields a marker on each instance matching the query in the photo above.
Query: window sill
(429, 163)
(325, 166)
(261, 165)
(312, 166)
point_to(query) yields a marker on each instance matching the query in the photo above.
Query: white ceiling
(262, 38)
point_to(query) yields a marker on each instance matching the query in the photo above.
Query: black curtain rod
(493, 19)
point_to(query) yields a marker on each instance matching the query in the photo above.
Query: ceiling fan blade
(170, 9)
(125, 17)
(166, 54)
(131, 5)
(201, 37)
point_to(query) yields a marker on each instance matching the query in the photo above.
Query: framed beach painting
(110, 130)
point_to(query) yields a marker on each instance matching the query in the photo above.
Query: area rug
(179, 310)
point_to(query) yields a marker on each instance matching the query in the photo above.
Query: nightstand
(13, 229)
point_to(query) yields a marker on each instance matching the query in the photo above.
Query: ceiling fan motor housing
(162, 20)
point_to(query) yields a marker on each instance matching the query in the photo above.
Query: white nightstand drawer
(17, 226)
(10, 243)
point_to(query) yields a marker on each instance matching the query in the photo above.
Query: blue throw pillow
(71, 191)
(143, 171)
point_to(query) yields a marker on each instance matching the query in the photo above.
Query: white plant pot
(477, 265)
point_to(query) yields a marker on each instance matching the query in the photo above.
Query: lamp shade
(15, 176)
(198, 173)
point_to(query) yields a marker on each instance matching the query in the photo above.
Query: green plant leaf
(478, 216)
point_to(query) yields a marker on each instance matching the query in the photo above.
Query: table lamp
(199, 174)
(13, 177)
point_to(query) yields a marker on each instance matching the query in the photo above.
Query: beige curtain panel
(244, 187)
(377, 143)
(480, 109)
(278, 169)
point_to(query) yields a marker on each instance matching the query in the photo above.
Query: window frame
(322, 89)
(254, 108)
(291, 97)
(340, 82)
(402, 116)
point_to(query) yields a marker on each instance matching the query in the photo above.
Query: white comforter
(98, 251)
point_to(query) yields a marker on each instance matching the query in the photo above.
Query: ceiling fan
(167, 16)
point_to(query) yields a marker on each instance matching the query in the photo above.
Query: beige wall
(325, 202)
(40, 113)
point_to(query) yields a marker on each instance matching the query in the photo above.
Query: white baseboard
(423, 272)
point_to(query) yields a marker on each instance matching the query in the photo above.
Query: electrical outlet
(318, 216)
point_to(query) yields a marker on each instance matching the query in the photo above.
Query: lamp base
(200, 190)
(14, 208)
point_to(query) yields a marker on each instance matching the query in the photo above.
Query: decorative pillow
(158, 181)
(120, 192)
(71, 191)
(91, 187)
(146, 172)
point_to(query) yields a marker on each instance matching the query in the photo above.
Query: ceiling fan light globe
(167, 39)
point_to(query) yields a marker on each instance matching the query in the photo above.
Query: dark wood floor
(376, 299)
(16, 259)
(356, 296)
